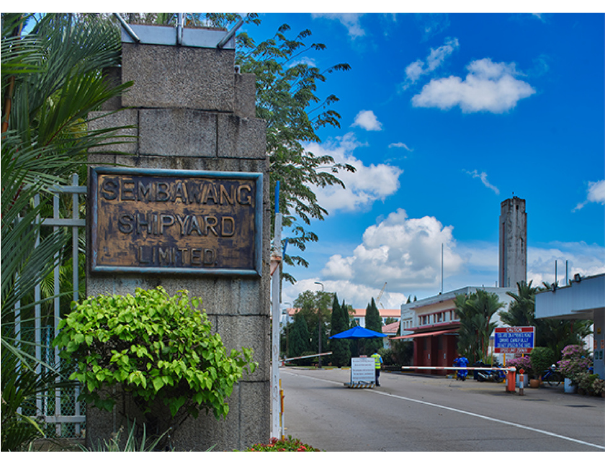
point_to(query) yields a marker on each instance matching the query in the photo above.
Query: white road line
(504, 422)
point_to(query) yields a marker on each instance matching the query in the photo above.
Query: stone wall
(190, 110)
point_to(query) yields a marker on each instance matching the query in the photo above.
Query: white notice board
(363, 370)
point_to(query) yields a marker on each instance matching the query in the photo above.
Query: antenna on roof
(442, 267)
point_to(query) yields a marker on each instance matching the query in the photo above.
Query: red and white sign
(514, 340)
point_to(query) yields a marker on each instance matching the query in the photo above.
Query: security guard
(378, 365)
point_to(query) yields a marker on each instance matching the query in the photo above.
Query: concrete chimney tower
(513, 242)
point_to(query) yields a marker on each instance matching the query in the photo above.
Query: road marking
(504, 422)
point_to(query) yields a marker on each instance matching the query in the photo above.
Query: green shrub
(402, 352)
(541, 358)
(158, 348)
(387, 356)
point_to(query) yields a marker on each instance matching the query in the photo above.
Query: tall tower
(513, 242)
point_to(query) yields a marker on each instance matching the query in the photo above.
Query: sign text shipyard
(174, 222)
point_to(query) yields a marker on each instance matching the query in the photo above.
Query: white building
(583, 299)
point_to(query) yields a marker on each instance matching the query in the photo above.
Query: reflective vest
(378, 360)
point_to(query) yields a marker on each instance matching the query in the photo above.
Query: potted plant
(541, 358)
(521, 363)
(574, 363)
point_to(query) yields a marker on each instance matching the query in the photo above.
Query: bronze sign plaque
(172, 221)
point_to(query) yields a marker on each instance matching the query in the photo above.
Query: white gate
(61, 409)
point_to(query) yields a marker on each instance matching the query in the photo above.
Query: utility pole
(319, 326)
(276, 258)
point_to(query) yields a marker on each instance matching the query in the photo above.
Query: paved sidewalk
(545, 393)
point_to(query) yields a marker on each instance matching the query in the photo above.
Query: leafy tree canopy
(289, 99)
(552, 333)
(374, 323)
(475, 312)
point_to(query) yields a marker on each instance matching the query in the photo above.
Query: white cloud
(348, 20)
(437, 56)
(483, 177)
(365, 186)
(404, 252)
(358, 295)
(304, 61)
(367, 120)
(400, 145)
(581, 258)
(595, 193)
(488, 86)
(435, 59)
(414, 70)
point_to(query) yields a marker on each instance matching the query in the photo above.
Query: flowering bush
(521, 362)
(576, 361)
(585, 381)
(282, 445)
(598, 386)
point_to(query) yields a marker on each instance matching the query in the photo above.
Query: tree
(286, 98)
(552, 333)
(347, 311)
(374, 323)
(521, 310)
(51, 80)
(314, 308)
(299, 340)
(475, 313)
(341, 354)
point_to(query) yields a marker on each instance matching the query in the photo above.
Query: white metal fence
(61, 407)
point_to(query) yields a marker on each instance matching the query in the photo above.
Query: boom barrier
(305, 356)
(513, 369)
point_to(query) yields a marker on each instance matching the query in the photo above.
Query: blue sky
(445, 116)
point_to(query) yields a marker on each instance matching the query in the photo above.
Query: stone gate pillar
(193, 112)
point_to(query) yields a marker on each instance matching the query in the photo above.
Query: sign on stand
(514, 340)
(363, 370)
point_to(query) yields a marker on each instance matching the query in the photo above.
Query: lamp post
(319, 326)
(285, 312)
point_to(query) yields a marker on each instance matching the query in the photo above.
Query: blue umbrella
(357, 332)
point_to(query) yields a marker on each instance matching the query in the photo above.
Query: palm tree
(552, 333)
(522, 309)
(52, 78)
(475, 312)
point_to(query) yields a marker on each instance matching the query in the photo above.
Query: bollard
(510, 380)
(521, 381)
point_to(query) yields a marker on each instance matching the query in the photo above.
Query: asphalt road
(435, 414)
